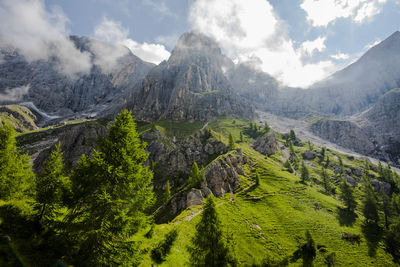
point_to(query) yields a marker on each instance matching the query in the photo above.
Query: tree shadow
(373, 234)
(346, 217)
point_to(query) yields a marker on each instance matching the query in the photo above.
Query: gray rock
(351, 180)
(381, 186)
(309, 155)
(266, 144)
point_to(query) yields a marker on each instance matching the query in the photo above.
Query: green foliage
(231, 145)
(322, 156)
(326, 183)
(305, 174)
(241, 136)
(288, 166)
(369, 203)
(310, 146)
(253, 131)
(291, 148)
(160, 252)
(167, 194)
(341, 171)
(347, 195)
(16, 177)
(257, 178)
(330, 259)
(208, 247)
(266, 127)
(308, 250)
(51, 185)
(392, 241)
(196, 176)
(292, 135)
(327, 162)
(111, 191)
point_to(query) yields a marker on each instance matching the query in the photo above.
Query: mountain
(191, 85)
(40, 82)
(358, 86)
(375, 132)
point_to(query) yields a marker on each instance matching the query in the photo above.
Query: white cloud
(15, 94)
(168, 40)
(251, 29)
(37, 34)
(340, 56)
(318, 44)
(160, 6)
(113, 32)
(368, 46)
(322, 12)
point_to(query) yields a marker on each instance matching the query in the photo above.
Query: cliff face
(58, 94)
(376, 132)
(191, 85)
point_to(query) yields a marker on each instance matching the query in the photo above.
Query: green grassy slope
(270, 220)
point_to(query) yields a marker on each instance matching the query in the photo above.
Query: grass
(172, 128)
(270, 220)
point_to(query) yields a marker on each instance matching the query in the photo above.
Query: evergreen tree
(291, 148)
(288, 166)
(392, 241)
(208, 247)
(257, 178)
(341, 166)
(310, 146)
(327, 162)
(202, 176)
(241, 136)
(305, 176)
(292, 135)
(231, 145)
(322, 156)
(266, 127)
(16, 177)
(51, 184)
(326, 181)
(111, 191)
(194, 176)
(167, 194)
(387, 209)
(347, 196)
(369, 203)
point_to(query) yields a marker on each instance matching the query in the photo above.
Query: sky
(298, 42)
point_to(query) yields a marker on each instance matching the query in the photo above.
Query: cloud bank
(251, 29)
(15, 94)
(113, 32)
(37, 34)
(320, 13)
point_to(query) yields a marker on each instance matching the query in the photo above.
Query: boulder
(309, 155)
(266, 144)
(381, 186)
(351, 180)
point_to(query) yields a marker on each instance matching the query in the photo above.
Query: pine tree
(288, 166)
(16, 177)
(202, 176)
(347, 196)
(392, 241)
(241, 136)
(322, 156)
(266, 127)
(326, 181)
(292, 135)
(51, 184)
(369, 203)
(167, 194)
(208, 247)
(305, 176)
(111, 191)
(341, 171)
(194, 175)
(291, 148)
(327, 162)
(231, 145)
(257, 178)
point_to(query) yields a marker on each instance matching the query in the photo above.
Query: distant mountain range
(199, 83)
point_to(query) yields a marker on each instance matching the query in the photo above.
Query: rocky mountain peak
(195, 41)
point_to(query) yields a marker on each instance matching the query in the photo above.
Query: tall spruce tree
(326, 183)
(369, 202)
(305, 176)
(194, 176)
(111, 191)
(292, 135)
(167, 194)
(231, 145)
(51, 184)
(16, 177)
(208, 247)
(347, 195)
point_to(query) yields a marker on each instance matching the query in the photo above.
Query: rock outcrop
(266, 144)
(21, 118)
(309, 155)
(190, 86)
